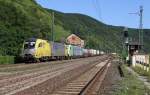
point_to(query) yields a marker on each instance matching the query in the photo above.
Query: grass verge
(130, 85)
(142, 72)
(6, 59)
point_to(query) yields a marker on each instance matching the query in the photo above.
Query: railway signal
(126, 36)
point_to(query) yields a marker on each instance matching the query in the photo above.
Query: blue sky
(113, 12)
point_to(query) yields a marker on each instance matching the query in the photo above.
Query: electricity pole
(52, 27)
(88, 39)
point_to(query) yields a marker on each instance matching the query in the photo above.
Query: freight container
(70, 50)
(94, 52)
(97, 52)
(82, 51)
(58, 49)
(85, 52)
(89, 52)
(102, 52)
(66, 51)
(77, 51)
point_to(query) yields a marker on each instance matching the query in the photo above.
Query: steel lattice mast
(140, 41)
(141, 27)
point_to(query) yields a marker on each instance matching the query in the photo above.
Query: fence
(141, 60)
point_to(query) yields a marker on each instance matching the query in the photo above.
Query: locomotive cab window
(29, 45)
(40, 45)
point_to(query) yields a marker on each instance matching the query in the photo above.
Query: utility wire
(97, 8)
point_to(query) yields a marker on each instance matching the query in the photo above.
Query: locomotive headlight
(32, 51)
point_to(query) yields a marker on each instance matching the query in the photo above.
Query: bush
(6, 59)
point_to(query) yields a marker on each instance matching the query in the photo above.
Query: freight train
(42, 50)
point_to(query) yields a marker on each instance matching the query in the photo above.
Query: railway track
(44, 81)
(21, 69)
(88, 83)
(18, 67)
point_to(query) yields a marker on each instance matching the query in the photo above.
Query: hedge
(7, 59)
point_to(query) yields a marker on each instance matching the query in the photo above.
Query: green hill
(22, 19)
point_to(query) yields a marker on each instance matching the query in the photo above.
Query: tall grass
(130, 85)
(7, 59)
(142, 72)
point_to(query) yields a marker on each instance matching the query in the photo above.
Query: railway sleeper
(76, 87)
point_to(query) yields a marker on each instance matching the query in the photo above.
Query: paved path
(141, 78)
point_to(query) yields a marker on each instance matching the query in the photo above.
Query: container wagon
(85, 53)
(77, 52)
(58, 50)
(70, 51)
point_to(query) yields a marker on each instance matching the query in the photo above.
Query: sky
(112, 12)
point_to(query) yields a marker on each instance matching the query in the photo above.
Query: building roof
(75, 40)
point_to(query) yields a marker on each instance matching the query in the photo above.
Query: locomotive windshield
(29, 45)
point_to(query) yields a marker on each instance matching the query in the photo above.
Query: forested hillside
(22, 19)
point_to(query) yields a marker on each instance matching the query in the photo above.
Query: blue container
(58, 49)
